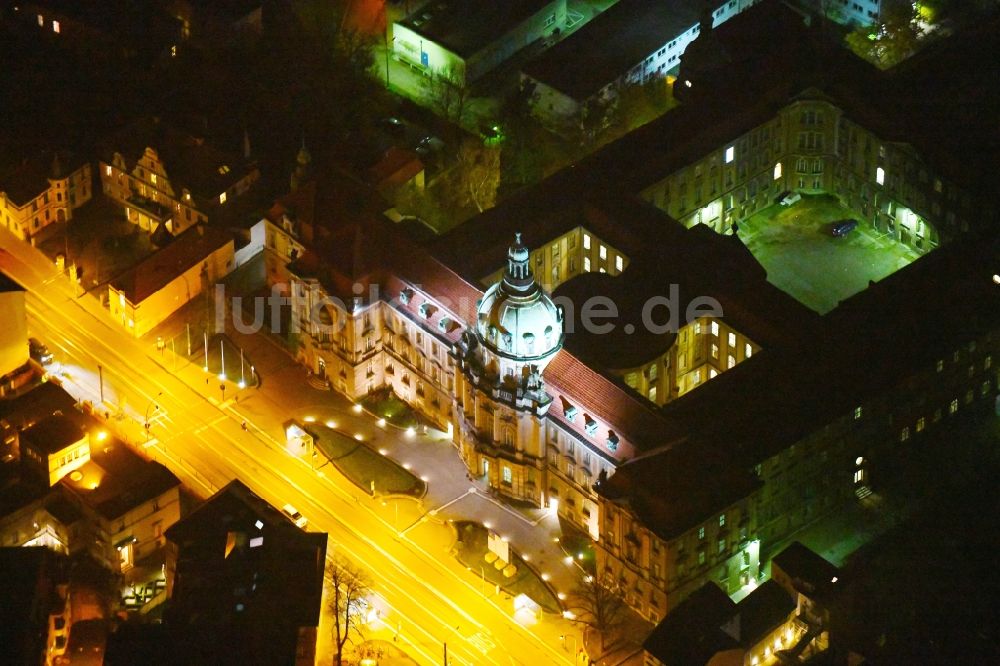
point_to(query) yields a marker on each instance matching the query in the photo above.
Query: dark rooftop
(243, 589)
(123, 480)
(690, 634)
(28, 180)
(627, 33)
(809, 572)
(162, 267)
(191, 162)
(52, 434)
(24, 604)
(668, 491)
(762, 611)
(41, 401)
(466, 26)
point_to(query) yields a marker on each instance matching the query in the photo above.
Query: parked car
(843, 227)
(788, 197)
(294, 515)
(39, 352)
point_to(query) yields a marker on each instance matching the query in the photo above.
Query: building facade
(163, 177)
(43, 191)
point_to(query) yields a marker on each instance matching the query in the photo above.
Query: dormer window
(529, 342)
(405, 296)
(425, 309)
(570, 411)
(590, 425)
(444, 325)
(612, 441)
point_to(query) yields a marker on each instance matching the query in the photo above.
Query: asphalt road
(203, 443)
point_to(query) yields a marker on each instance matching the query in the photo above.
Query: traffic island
(515, 578)
(367, 469)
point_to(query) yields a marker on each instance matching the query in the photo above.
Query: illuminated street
(202, 442)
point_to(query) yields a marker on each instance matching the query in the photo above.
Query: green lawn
(361, 465)
(386, 404)
(471, 548)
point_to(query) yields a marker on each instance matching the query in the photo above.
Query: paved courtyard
(802, 257)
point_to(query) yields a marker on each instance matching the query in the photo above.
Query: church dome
(516, 319)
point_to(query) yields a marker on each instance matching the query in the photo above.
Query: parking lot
(802, 257)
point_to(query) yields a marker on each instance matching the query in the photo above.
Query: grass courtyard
(362, 465)
(470, 549)
(803, 259)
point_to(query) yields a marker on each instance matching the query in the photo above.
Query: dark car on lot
(843, 227)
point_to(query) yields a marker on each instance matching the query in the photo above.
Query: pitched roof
(164, 266)
(610, 44)
(190, 162)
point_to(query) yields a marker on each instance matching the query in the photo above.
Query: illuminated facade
(465, 40)
(162, 177)
(43, 191)
(151, 291)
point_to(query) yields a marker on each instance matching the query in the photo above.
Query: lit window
(715, 351)
(731, 361)
(701, 557)
(747, 351)
(619, 264)
(953, 407)
(940, 365)
(722, 545)
(697, 328)
(921, 424)
(222, 198)
(859, 476)
(777, 171)
(904, 434)
(41, 20)
(107, 170)
(173, 51)
(701, 532)
(987, 362)
(55, 26)
(256, 542)
(722, 520)
(603, 251)
(715, 328)
(152, 178)
(730, 154)
(879, 175)
(857, 413)
(586, 264)
(507, 475)
(586, 241)
(732, 340)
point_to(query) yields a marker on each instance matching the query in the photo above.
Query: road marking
(481, 642)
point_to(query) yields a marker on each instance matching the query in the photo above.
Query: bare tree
(477, 175)
(350, 587)
(450, 95)
(598, 605)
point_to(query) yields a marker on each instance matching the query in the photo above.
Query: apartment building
(43, 190)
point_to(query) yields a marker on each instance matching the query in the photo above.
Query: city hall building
(691, 449)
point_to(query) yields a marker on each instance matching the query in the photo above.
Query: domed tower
(500, 399)
(518, 325)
